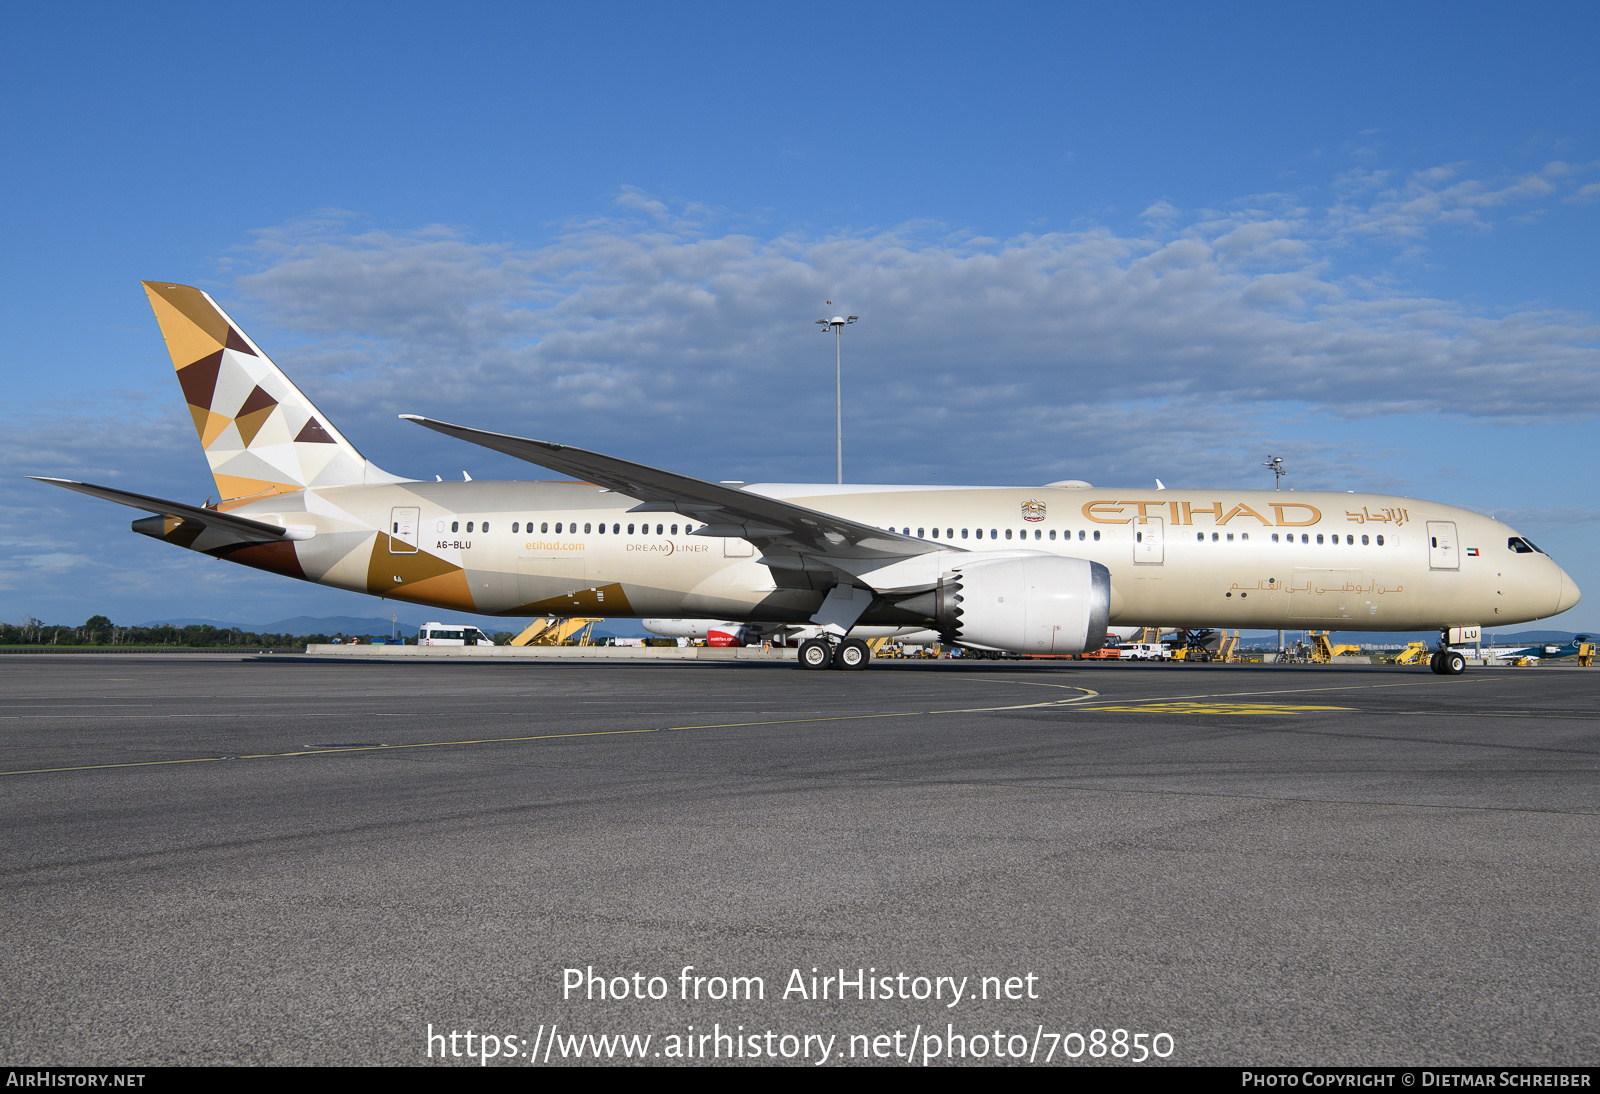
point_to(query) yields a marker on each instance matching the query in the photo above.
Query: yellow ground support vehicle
(1323, 650)
(556, 631)
(1414, 654)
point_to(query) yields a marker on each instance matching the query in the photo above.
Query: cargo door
(1442, 551)
(1149, 546)
(403, 525)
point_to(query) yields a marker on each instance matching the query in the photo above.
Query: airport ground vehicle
(1022, 570)
(1141, 651)
(452, 634)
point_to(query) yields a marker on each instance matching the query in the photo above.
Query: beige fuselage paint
(1295, 559)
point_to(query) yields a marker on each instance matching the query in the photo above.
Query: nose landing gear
(1446, 661)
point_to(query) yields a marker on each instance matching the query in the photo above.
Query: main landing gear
(819, 653)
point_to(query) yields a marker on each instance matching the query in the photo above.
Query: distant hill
(300, 624)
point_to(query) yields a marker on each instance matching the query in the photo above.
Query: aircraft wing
(241, 529)
(791, 537)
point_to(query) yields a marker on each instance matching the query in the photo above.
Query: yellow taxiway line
(1087, 694)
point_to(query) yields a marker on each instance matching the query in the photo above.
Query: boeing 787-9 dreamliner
(1033, 570)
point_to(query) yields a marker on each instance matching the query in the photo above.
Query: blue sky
(1108, 242)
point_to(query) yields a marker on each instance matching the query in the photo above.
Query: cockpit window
(1522, 546)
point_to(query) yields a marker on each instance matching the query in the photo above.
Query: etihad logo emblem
(1288, 514)
(1033, 510)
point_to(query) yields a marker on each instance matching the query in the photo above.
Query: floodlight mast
(1275, 464)
(836, 323)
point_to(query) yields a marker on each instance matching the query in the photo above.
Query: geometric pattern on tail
(261, 435)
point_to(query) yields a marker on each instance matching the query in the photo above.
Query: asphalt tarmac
(283, 860)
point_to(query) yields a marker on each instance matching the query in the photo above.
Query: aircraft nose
(1569, 593)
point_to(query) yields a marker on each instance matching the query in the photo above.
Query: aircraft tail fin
(262, 436)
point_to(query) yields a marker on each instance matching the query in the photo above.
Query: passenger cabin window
(1096, 535)
(1052, 533)
(513, 527)
(1008, 533)
(455, 526)
(1380, 541)
(585, 529)
(558, 527)
(545, 527)
(963, 533)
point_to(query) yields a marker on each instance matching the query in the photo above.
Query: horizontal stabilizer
(241, 527)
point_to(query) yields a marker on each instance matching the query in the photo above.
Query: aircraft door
(1443, 554)
(1149, 543)
(403, 523)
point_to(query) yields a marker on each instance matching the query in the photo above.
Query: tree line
(98, 630)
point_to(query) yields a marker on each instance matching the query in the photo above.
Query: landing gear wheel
(1434, 663)
(815, 654)
(852, 655)
(1453, 664)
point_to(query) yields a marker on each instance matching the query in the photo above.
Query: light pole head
(1275, 465)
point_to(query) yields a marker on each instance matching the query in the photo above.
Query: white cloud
(665, 321)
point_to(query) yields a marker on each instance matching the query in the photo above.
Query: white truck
(1141, 651)
(452, 634)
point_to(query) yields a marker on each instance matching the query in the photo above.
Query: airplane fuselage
(1220, 558)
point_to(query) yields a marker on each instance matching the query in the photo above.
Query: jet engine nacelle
(1029, 604)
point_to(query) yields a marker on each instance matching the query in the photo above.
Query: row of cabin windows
(950, 533)
(1305, 537)
(572, 528)
(1216, 537)
(994, 533)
